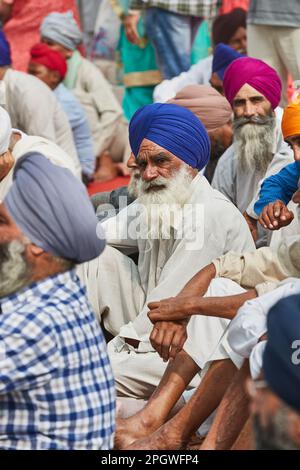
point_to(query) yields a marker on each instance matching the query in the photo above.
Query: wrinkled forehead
(149, 150)
(247, 92)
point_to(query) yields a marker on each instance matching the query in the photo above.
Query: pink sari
(22, 30)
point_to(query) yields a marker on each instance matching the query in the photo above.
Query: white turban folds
(5, 130)
(62, 29)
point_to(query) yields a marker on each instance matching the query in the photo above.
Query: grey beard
(275, 436)
(14, 268)
(254, 140)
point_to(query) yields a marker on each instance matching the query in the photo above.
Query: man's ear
(35, 250)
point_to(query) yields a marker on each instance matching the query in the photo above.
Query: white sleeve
(250, 322)
(198, 74)
(256, 359)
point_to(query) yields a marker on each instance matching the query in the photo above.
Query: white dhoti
(138, 371)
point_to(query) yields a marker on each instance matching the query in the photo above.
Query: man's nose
(249, 110)
(296, 150)
(150, 173)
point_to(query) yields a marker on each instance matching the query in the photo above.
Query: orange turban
(291, 120)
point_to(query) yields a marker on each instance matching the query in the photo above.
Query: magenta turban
(255, 73)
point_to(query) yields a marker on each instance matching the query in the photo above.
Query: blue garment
(5, 55)
(223, 56)
(56, 384)
(281, 360)
(80, 128)
(280, 186)
(172, 37)
(174, 128)
(52, 208)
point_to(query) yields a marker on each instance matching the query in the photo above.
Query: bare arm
(222, 307)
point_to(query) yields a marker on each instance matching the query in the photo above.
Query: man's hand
(296, 197)
(168, 338)
(130, 25)
(275, 216)
(252, 224)
(172, 309)
(6, 164)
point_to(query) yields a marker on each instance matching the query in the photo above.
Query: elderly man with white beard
(191, 225)
(258, 150)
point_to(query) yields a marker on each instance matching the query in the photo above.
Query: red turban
(53, 60)
(255, 73)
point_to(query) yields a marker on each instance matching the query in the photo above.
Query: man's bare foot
(106, 168)
(132, 429)
(165, 438)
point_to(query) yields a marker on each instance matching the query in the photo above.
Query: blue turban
(223, 56)
(51, 207)
(62, 29)
(281, 361)
(5, 57)
(174, 128)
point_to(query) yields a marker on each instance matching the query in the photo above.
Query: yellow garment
(291, 120)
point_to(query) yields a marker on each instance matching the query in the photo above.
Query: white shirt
(198, 74)
(37, 144)
(166, 266)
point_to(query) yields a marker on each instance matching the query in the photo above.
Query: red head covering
(53, 60)
(255, 73)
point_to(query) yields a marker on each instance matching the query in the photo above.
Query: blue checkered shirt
(56, 383)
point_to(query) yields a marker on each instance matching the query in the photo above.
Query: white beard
(14, 269)
(254, 143)
(162, 207)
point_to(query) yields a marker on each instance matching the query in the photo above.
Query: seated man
(56, 384)
(177, 225)
(257, 272)
(229, 29)
(32, 107)
(278, 190)
(258, 150)
(14, 144)
(275, 403)
(50, 66)
(108, 126)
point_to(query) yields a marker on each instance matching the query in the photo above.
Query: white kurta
(198, 74)
(38, 144)
(120, 291)
(104, 113)
(250, 323)
(34, 109)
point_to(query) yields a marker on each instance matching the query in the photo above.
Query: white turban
(5, 130)
(62, 29)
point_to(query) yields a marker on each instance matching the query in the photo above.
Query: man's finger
(271, 216)
(277, 208)
(166, 343)
(265, 218)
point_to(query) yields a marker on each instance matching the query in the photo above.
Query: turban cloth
(53, 60)
(62, 29)
(5, 57)
(174, 128)
(5, 130)
(223, 56)
(206, 103)
(52, 209)
(225, 26)
(281, 371)
(290, 123)
(256, 73)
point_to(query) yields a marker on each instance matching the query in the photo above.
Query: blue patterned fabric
(56, 384)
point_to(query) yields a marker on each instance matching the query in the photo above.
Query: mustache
(258, 120)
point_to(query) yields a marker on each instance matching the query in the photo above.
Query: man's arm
(276, 192)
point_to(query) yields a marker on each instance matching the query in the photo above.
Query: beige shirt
(34, 109)
(102, 109)
(264, 268)
(38, 144)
